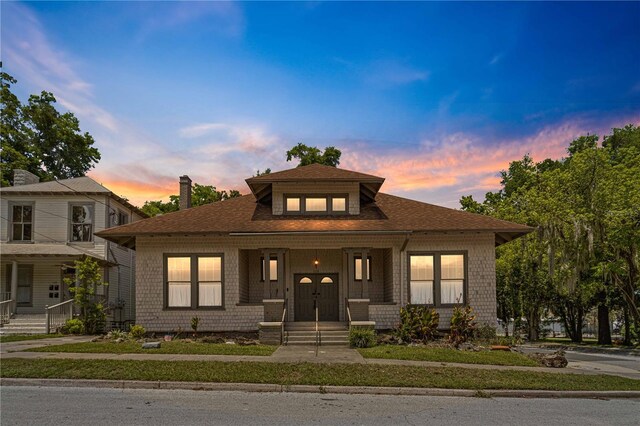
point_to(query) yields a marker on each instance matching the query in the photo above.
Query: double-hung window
(194, 281)
(22, 222)
(437, 279)
(82, 222)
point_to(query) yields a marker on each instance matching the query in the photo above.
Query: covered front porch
(307, 285)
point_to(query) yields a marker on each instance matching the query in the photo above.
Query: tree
(200, 195)
(259, 173)
(83, 287)
(312, 155)
(38, 138)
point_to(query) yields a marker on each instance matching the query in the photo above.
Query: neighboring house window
(315, 204)
(194, 281)
(357, 269)
(82, 222)
(22, 222)
(273, 269)
(439, 277)
(119, 217)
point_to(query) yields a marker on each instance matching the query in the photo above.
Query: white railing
(57, 315)
(5, 295)
(6, 309)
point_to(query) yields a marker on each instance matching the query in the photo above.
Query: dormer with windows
(315, 190)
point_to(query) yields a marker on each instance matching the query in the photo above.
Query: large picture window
(194, 281)
(82, 222)
(437, 279)
(22, 222)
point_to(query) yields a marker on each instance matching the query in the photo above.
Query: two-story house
(46, 226)
(310, 243)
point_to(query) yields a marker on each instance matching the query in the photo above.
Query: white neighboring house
(44, 228)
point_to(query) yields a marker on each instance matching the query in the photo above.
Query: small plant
(485, 332)
(73, 326)
(362, 337)
(194, 325)
(137, 331)
(116, 334)
(417, 324)
(463, 325)
(96, 319)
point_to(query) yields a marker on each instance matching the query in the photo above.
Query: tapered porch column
(14, 285)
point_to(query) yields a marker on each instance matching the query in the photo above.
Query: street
(81, 406)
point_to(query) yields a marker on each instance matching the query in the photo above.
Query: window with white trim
(22, 222)
(82, 222)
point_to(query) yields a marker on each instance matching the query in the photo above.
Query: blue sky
(436, 97)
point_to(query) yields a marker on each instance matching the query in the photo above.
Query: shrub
(362, 337)
(96, 319)
(462, 325)
(485, 332)
(194, 325)
(137, 331)
(417, 324)
(73, 326)
(116, 334)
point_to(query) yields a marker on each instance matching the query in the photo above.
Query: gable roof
(243, 215)
(82, 185)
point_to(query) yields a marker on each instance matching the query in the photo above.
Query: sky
(435, 97)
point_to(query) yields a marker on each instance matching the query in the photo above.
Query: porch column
(266, 256)
(14, 285)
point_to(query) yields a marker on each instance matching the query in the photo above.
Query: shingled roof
(243, 215)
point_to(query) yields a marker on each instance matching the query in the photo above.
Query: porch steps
(303, 333)
(25, 324)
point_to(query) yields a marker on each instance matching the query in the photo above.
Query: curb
(366, 390)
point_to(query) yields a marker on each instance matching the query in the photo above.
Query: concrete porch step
(311, 326)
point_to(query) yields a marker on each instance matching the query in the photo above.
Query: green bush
(116, 334)
(96, 319)
(137, 331)
(485, 332)
(73, 326)
(417, 324)
(463, 325)
(362, 337)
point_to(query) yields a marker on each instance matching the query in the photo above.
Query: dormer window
(314, 204)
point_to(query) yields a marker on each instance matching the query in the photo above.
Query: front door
(313, 290)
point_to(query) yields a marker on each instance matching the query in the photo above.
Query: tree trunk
(604, 330)
(627, 327)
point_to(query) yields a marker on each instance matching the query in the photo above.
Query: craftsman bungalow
(310, 243)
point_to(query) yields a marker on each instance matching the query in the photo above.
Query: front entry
(313, 290)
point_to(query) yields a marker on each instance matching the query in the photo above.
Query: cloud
(394, 73)
(496, 58)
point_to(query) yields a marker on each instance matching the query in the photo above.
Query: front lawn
(173, 347)
(20, 337)
(418, 353)
(309, 374)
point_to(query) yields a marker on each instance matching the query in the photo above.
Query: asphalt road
(89, 406)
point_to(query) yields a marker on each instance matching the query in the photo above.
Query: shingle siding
(302, 251)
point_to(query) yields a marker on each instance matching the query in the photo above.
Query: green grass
(416, 353)
(20, 337)
(173, 347)
(309, 374)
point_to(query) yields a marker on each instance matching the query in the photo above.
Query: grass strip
(309, 374)
(20, 337)
(173, 347)
(416, 353)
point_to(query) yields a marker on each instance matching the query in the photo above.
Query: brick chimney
(185, 192)
(23, 177)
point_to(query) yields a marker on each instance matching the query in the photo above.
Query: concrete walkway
(284, 354)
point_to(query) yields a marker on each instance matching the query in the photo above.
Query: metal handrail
(58, 314)
(284, 318)
(318, 342)
(346, 302)
(6, 309)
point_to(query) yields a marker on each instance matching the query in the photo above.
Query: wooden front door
(319, 290)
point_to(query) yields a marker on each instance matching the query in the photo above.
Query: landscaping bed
(310, 374)
(183, 346)
(442, 354)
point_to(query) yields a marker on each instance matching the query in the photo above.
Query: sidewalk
(284, 354)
